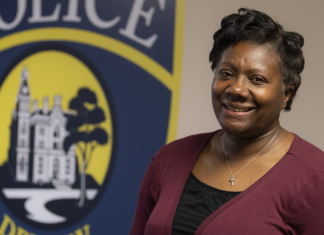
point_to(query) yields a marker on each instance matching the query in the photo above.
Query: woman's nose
(238, 88)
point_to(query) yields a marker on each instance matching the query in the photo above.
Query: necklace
(232, 178)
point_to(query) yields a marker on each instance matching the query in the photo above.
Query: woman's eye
(258, 79)
(225, 73)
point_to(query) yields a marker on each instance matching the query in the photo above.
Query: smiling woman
(248, 93)
(253, 176)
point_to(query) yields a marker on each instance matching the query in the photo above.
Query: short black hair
(257, 27)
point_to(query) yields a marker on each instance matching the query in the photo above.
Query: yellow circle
(56, 73)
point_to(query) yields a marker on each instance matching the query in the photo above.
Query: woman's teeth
(238, 109)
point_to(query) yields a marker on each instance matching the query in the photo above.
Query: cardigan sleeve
(306, 214)
(145, 202)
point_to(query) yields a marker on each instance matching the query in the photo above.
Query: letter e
(133, 19)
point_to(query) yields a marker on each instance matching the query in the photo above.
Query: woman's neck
(238, 149)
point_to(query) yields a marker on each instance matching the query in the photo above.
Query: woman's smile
(237, 110)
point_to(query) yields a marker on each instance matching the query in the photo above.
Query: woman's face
(247, 90)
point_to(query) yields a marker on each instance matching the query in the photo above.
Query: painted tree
(85, 131)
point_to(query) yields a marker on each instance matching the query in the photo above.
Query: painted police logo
(56, 154)
(89, 91)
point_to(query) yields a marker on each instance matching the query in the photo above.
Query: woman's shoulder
(306, 209)
(187, 148)
(189, 142)
(309, 155)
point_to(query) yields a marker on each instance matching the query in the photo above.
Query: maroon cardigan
(288, 199)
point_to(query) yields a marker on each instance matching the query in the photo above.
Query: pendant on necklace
(232, 180)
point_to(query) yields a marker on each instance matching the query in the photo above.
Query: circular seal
(56, 139)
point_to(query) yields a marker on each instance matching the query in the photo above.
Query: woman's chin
(238, 131)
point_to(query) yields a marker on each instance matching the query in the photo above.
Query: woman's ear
(288, 92)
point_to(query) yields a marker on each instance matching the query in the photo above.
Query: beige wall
(203, 19)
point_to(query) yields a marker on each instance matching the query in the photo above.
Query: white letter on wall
(132, 22)
(21, 9)
(90, 7)
(37, 16)
(72, 15)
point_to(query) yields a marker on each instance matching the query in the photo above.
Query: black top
(197, 202)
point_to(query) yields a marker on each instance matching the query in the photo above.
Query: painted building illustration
(36, 152)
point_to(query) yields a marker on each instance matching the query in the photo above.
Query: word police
(91, 13)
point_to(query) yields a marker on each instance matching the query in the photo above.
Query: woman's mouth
(238, 109)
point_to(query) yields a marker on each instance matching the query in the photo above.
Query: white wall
(203, 18)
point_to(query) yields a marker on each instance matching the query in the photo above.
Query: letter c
(90, 7)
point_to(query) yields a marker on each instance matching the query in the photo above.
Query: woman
(253, 176)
